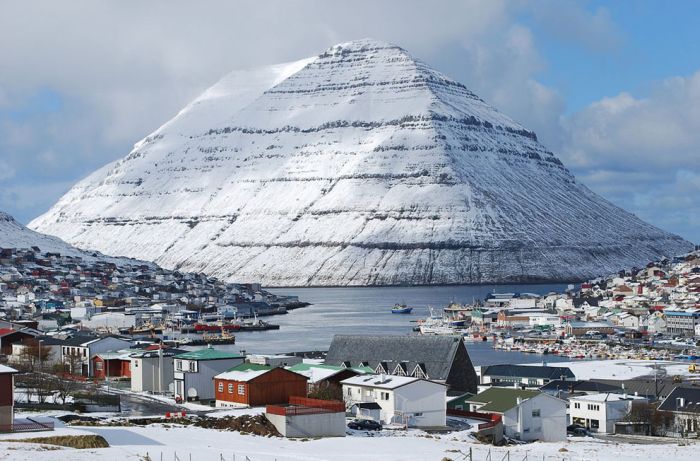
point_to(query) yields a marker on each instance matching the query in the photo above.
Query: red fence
(306, 406)
(335, 406)
(491, 418)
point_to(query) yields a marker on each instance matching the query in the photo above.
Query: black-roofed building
(523, 376)
(653, 389)
(684, 403)
(564, 389)
(442, 359)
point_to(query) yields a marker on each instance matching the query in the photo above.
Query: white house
(403, 399)
(78, 350)
(600, 412)
(526, 414)
(194, 372)
(152, 370)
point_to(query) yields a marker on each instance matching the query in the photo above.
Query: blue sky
(613, 88)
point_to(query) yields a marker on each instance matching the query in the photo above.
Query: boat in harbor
(401, 309)
(257, 325)
(207, 339)
(201, 327)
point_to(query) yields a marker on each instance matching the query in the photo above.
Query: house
(28, 349)
(526, 414)
(439, 358)
(522, 375)
(7, 397)
(10, 336)
(320, 375)
(575, 328)
(193, 372)
(112, 364)
(684, 404)
(304, 417)
(565, 389)
(152, 369)
(77, 352)
(407, 400)
(274, 360)
(600, 412)
(253, 385)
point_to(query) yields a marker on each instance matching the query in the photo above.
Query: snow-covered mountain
(15, 235)
(359, 166)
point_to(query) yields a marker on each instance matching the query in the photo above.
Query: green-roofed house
(526, 414)
(194, 372)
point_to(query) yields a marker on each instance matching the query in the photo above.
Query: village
(79, 345)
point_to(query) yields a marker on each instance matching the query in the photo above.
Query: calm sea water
(367, 311)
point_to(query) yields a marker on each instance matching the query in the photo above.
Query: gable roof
(690, 400)
(501, 399)
(435, 353)
(527, 371)
(244, 372)
(208, 354)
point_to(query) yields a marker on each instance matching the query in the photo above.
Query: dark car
(577, 431)
(365, 425)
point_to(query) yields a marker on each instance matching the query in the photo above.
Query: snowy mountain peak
(359, 166)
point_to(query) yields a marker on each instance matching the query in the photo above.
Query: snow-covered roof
(607, 397)
(6, 369)
(380, 381)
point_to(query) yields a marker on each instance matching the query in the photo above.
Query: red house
(112, 365)
(7, 397)
(251, 384)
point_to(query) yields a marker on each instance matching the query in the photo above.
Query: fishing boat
(201, 327)
(401, 309)
(225, 338)
(257, 325)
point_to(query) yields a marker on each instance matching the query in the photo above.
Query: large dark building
(437, 358)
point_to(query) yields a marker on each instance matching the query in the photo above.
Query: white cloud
(643, 153)
(123, 68)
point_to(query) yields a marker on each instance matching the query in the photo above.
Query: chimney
(382, 378)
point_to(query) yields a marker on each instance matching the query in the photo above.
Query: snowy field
(163, 442)
(623, 368)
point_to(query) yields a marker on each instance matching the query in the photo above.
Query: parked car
(577, 431)
(365, 425)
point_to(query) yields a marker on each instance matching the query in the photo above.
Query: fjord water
(367, 310)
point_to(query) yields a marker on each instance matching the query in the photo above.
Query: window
(241, 389)
(98, 365)
(349, 391)
(136, 364)
(230, 388)
(384, 395)
(577, 405)
(193, 366)
(178, 365)
(221, 386)
(536, 413)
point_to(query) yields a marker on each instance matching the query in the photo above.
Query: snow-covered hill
(15, 235)
(359, 166)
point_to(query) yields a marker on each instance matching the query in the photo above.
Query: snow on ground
(133, 443)
(622, 369)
